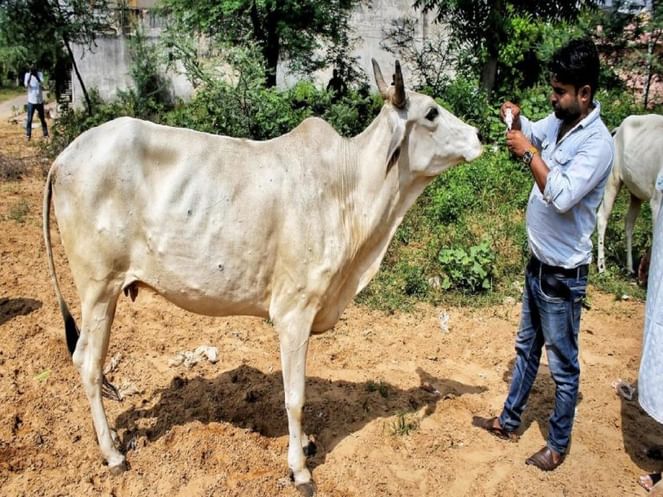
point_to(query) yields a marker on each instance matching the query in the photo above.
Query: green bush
(464, 98)
(468, 270)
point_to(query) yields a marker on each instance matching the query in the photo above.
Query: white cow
(638, 161)
(289, 229)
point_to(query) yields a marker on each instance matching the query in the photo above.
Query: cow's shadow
(249, 398)
(10, 308)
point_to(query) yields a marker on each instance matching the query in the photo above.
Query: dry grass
(11, 169)
(19, 158)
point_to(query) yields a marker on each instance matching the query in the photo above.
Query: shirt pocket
(562, 158)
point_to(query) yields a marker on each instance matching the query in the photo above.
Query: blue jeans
(40, 112)
(552, 320)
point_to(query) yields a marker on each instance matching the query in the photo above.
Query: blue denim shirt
(560, 221)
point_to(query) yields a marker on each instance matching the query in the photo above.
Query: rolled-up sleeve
(568, 183)
(534, 131)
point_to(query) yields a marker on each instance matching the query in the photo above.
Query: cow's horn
(398, 97)
(379, 79)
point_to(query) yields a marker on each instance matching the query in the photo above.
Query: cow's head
(432, 137)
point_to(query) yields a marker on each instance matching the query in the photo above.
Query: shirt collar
(588, 119)
(592, 116)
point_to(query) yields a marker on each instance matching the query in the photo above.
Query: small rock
(114, 362)
(128, 389)
(189, 359)
(427, 387)
(434, 282)
(211, 353)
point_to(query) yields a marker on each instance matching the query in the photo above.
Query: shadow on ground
(249, 398)
(641, 433)
(541, 402)
(10, 308)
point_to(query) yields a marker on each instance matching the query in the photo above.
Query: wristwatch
(529, 155)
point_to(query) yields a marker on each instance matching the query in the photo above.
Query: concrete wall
(368, 23)
(107, 68)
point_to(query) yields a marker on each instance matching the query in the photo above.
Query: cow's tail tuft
(71, 330)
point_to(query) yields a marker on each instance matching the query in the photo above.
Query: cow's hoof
(118, 469)
(306, 489)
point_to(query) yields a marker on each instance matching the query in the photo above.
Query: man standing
(650, 379)
(33, 82)
(570, 154)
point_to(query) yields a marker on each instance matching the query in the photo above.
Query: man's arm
(566, 186)
(518, 144)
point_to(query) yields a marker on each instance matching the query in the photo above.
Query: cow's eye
(432, 114)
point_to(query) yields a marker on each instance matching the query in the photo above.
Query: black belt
(535, 266)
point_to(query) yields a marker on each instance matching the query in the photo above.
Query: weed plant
(404, 424)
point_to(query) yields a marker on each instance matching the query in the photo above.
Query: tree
(480, 25)
(283, 29)
(429, 60)
(631, 39)
(42, 31)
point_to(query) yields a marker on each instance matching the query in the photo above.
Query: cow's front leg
(294, 329)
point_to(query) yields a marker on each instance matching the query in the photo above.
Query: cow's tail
(71, 330)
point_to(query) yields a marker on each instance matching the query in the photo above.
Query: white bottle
(508, 118)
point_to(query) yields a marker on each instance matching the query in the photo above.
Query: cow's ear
(397, 136)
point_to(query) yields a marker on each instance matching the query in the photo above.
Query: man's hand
(515, 112)
(517, 143)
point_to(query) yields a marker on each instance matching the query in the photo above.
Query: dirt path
(390, 398)
(7, 106)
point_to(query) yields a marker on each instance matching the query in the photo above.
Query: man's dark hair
(577, 63)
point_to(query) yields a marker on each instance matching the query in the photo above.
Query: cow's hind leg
(611, 190)
(631, 216)
(98, 310)
(294, 329)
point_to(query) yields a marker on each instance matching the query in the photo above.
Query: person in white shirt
(650, 378)
(33, 81)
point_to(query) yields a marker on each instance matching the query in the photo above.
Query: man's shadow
(250, 398)
(541, 401)
(10, 308)
(642, 435)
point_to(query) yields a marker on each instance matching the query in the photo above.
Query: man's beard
(567, 115)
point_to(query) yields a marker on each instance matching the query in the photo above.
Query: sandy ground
(390, 398)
